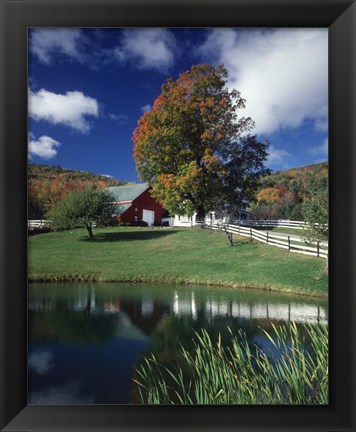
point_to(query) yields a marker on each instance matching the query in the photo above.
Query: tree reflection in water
(101, 331)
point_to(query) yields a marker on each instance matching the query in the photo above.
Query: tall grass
(296, 372)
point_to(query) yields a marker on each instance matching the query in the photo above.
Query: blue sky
(89, 87)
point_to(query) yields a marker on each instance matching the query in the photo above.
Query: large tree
(194, 149)
(84, 207)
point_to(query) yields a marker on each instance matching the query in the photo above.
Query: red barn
(135, 205)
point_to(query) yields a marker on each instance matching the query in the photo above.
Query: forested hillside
(280, 195)
(283, 194)
(48, 184)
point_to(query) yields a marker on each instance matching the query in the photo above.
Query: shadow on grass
(241, 242)
(128, 236)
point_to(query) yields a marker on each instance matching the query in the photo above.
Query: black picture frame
(16, 16)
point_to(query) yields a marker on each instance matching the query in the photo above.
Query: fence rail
(291, 243)
(33, 224)
(281, 223)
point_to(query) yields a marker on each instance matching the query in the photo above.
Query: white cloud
(147, 48)
(41, 362)
(321, 120)
(283, 74)
(121, 119)
(49, 43)
(146, 108)
(44, 147)
(69, 109)
(276, 156)
(321, 150)
(107, 175)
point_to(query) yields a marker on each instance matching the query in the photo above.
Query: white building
(244, 217)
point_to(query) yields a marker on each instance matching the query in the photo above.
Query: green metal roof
(128, 192)
(121, 208)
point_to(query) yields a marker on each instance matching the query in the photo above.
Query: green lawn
(179, 255)
(291, 231)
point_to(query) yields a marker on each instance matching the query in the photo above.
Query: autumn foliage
(290, 194)
(48, 185)
(193, 148)
(269, 195)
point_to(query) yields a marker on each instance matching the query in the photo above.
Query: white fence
(283, 223)
(37, 224)
(290, 242)
(169, 221)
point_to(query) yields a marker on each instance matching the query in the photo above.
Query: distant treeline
(280, 195)
(48, 184)
(283, 194)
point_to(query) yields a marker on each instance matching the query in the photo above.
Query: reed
(296, 373)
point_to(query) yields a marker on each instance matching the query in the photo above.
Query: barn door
(148, 216)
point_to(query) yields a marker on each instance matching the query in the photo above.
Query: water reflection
(186, 305)
(84, 339)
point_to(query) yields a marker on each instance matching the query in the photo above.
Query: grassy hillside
(48, 184)
(186, 255)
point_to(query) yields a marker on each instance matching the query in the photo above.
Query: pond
(86, 339)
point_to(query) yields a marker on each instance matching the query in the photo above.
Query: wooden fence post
(288, 243)
(267, 237)
(318, 248)
(250, 232)
(229, 237)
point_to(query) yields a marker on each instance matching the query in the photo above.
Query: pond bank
(262, 288)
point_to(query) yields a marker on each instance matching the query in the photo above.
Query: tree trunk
(90, 231)
(200, 214)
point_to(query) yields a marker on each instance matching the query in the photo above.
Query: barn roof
(121, 208)
(128, 192)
